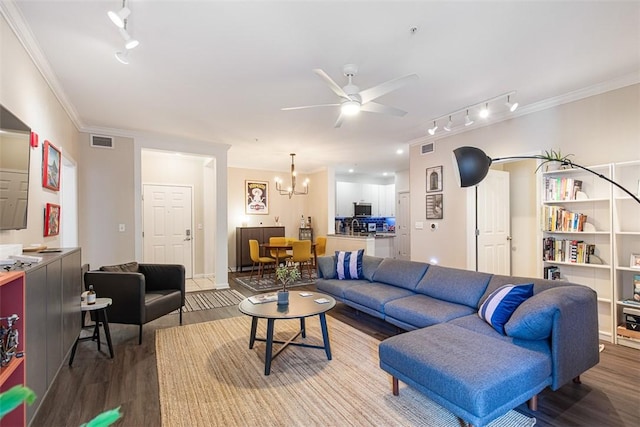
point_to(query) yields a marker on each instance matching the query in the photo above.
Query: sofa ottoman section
(418, 311)
(477, 377)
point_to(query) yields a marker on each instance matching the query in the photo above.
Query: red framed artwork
(51, 220)
(51, 166)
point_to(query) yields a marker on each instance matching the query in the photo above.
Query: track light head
(467, 120)
(432, 131)
(512, 107)
(123, 57)
(449, 125)
(118, 17)
(129, 42)
(484, 112)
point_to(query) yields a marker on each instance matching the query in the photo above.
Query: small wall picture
(51, 220)
(257, 197)
(51, 166)
(434, 206)
(434, 179)
(635, 261)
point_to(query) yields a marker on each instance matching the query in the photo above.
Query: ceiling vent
(101, 141)
(427, 148)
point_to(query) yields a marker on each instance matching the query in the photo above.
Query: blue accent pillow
(500, 305)
(349, 265)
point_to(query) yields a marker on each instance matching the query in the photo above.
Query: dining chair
(254, 252)
(302, 255)
(280, 254)
(321, 245)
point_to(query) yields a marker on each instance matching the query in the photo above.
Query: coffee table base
(269, 355)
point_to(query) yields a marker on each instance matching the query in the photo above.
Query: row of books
(557, 218)
(575, 251)
(561, 188)
(552, 273)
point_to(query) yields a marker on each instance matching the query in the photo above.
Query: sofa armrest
(127, 291)
(164, 277)
(568, 316)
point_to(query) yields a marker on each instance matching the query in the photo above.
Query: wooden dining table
(274, 246)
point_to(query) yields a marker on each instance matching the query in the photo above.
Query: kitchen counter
(379, 244)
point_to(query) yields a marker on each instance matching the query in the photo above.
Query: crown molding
(576, 95)
(13, 16)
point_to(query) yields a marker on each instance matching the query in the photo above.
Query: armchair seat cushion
(158, 303)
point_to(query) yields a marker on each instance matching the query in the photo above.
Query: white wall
(25, 93)
(599, 129)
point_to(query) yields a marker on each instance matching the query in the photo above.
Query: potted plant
(286, 276)
(554, 158)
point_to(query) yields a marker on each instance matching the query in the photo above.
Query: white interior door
(167, 231)
(403, 230)
(494, 234)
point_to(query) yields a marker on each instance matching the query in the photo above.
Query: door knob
(509, 238)
(186, 239)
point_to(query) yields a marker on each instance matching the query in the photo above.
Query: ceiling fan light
(350, 108)
(122, 57)
(118, 17)
(467, 120)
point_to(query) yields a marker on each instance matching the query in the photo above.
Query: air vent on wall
(101, 141)
(427, 148)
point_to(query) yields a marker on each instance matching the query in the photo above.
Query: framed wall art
(51, 166)
(256, 197)
(51, 220)
(434, 206)
(434, 179)
(635, 261)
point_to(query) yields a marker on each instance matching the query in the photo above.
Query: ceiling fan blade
(372, 93)
(333, 85)
(339, 121)
(309, 106)
(374, 107)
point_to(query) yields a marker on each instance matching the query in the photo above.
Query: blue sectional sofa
(458, 359)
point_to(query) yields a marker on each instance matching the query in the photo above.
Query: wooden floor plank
(608, 396)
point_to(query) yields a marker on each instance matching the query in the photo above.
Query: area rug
(267, 283)
(205, 300)
(216, 380)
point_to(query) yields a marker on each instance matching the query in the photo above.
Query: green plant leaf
(105, 419)
(14, 397)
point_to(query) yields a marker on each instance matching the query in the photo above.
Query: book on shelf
(552, 273)
(566, 250)
(262, 298)
(557, 218)
(636, 287)
(556, 189)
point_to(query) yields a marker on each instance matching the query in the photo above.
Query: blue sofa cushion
(533, 320)
(374, 295)
(400, 273)
(419, 311)
(337, 287)
(454, 285)
(500, 305)
(349, 265)
(327, 267)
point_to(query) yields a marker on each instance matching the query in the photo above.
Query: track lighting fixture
(119, 17)
(123, 57)
(129, 42)
(510, 106)
(481, 109)
(449, 125)
(467, 119)
(432, 131)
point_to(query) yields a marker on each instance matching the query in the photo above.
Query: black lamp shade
(473, 165)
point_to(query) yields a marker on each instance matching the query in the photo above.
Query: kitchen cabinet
(381, 197)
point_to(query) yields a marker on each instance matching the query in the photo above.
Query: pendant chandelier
(291, 190)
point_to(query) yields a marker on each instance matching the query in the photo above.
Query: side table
(100, 307)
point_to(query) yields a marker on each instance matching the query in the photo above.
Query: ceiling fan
(353, 100)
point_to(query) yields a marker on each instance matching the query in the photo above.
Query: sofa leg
(533, 403)
(140, 336)
(394, 386)
(577, 380)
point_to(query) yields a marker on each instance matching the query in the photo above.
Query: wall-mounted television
(14, 171)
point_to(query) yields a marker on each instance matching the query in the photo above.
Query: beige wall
(105, 185)
(599, 129)
(289, 210)
(25, 93)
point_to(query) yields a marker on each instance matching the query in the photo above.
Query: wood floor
(608, 396)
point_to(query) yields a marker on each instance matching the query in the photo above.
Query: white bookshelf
(626, 237)
(594, 201)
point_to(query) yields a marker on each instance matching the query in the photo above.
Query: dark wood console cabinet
(244, 234)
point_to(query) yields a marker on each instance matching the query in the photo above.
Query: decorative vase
(283, 297)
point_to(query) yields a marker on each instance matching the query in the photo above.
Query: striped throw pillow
(349, 264)
(500, 305)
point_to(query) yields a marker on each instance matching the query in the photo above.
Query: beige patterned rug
(209, 377)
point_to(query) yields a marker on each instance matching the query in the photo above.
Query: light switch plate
(419, 225)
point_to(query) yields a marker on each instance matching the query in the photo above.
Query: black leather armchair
(140, 292)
